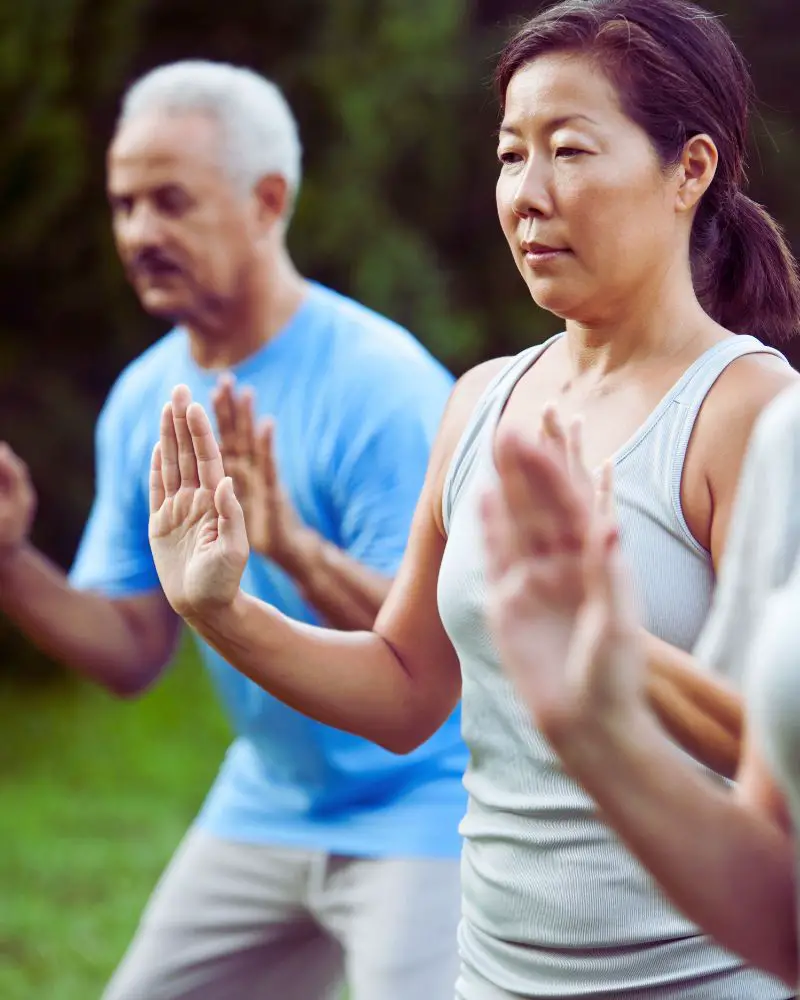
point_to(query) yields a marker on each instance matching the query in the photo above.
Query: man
(316, 855)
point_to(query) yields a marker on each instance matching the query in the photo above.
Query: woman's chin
(554, 298)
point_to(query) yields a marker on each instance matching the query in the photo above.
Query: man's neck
(257, 318)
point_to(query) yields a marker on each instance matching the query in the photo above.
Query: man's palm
(248, 452)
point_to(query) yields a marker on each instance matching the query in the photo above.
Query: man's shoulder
(367, 344)
(146, 374)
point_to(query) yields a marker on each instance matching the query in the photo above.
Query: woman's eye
(509, 157)
(567, 152)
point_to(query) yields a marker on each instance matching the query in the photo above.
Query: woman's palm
(197, 530)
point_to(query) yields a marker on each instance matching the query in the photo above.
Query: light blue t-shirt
(356, 402)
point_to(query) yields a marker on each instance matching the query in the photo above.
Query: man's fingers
(187, 461)
(265, 455)
(223, 401)
(207, 456)
(158, 493)
(245, 423)
(169, 452)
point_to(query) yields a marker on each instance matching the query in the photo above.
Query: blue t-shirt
(356, 402)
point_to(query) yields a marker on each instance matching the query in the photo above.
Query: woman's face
(587, 210)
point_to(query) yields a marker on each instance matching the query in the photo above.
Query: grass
(94, 796)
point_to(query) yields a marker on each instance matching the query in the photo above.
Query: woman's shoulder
(747, 387)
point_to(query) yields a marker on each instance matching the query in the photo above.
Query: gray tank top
(554, 905)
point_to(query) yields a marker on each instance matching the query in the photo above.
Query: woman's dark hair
(679, 74)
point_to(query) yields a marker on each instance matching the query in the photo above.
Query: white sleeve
(763, 541)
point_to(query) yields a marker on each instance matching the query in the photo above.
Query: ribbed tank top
(553, 904)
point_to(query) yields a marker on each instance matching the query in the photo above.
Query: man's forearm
(86, 631)
(347, 594)
(701, 712)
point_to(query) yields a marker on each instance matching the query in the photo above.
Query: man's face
(185, 234)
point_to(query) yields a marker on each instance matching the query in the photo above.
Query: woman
(726, 859)
(621, 149)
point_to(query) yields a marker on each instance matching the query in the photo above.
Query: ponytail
(744, 273)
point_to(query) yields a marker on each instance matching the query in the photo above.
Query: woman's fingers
(158, 493)
(168, 449)
(187, 460)
(206, 455)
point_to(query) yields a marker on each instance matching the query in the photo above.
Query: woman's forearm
(700, 712)
(724, 864)
(354, 681)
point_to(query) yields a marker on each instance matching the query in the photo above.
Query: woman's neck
(662, 327)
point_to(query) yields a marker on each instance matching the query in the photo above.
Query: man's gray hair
(259, 131)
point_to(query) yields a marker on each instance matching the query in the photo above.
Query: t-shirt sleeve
(763, 543)
(385, 444)
(114, 554)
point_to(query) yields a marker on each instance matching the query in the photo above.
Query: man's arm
(123, 644)
(346, 593)
(109, 620)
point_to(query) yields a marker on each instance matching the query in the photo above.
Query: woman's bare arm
(394, 685)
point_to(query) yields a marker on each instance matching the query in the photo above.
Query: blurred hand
(273, 527)
(558, 603)
(17, 501)
(197, 527)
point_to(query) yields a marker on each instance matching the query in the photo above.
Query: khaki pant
(233, 921)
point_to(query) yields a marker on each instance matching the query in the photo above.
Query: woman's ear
(696, 170)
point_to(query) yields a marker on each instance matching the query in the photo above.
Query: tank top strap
(492, 399)
(688, 395)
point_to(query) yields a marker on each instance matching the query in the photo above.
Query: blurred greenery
(397, 209)
(95, 796)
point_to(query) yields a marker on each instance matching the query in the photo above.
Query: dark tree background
(397, 208)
